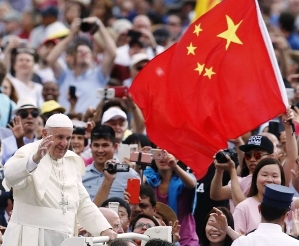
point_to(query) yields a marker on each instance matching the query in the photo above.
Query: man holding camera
(83, 75)
(105, 177)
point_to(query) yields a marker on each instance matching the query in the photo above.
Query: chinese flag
(218, 82)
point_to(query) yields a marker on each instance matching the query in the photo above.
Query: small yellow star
(199, 68)
(230, 34)
(209, 72)
(191, 49)
(197, 29)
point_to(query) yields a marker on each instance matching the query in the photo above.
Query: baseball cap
(50, 106)
(278, 196)
(12, 15)
(138, 58)
(258, 141)
(113, 113)
(50, 10)
(24, 103)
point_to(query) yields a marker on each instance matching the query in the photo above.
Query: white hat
(121, 25)
(25, 102)
(59, 120)
(138, 58)
(113, 113)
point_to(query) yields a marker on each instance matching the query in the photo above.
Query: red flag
(218, 82)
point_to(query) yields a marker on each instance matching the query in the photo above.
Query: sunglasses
(24, 113)
(141, 225)
(144, 206)
(138, 68)
(257, 156)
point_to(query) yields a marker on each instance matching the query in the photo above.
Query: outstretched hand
(43, 148)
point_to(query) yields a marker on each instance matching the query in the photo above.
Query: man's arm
(109, 53)
(104, 190)
(61, 47)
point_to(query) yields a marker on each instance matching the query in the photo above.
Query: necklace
(64, 202)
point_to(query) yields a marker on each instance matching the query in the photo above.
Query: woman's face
(6, 88)
(269, 174)
(77, 142)
(212, 233)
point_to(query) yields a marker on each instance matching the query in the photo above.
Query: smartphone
(72, 92)
(157, 154)
(290, 93)
(133, 187)
(141, 157)
(133, 148)
(123, 151)
(114, 206)
(120, 91)
(106, 93)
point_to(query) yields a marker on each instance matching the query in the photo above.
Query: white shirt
(266, 234)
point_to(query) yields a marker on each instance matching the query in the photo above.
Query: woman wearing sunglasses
(257, 148)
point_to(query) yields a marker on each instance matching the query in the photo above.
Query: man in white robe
(49, 198)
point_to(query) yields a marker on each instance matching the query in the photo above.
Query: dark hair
(287, 21)
(121, 202)
(3, 72)
(271, 213)
(230, 222)
(137, 138)
(121, 242)
(147, 191)
(158, 242)
(139, 216)
(103, 132)
(264, 162)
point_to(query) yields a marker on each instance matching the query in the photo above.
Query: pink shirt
(247, 216)
(245, 184)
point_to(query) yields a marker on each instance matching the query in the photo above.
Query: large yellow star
(209, 72)
(230, 34)
(191, 49)
(199, 68)
(197, 29)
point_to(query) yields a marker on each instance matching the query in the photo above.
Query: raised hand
(43, 148)
(17, 127)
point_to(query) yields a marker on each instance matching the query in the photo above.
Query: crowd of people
(68, 127)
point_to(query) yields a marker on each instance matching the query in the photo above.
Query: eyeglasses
(141, 225)
(144, 206)
(117, 227)
(257, 156)
(24, 113)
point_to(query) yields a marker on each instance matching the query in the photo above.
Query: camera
(89, 27)
(231, 152)
(113, 168)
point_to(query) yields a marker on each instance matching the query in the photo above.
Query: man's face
(83, 55)
(50, 91)
(61, 136)
(144, 207)
(119, 126)
(102, 150)
(116, 224)
(124, 217)
(24, 63)
(28, 119)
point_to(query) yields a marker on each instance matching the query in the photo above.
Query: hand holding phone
(133, 188)
(141, 157)
(72, 92)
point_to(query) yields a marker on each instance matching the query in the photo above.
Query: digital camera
(113, 168)
(231, 152)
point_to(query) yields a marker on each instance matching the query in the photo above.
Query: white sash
(43, 217)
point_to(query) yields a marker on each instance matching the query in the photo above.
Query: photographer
(103, 179)
(83, 75)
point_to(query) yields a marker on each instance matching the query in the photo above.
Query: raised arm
(291, 146)
(61, 47)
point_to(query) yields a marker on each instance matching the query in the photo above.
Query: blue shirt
(93, 179)
(7, 106)
(86, 85)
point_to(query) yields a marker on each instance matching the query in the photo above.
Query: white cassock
(38, 217)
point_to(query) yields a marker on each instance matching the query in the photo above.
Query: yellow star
(209, 72)
(199, 68)
(197, 29)
(230, 33)
(191, 49)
